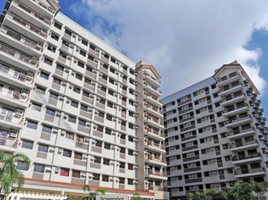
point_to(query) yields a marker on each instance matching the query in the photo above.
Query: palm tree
(136, 196)
(9, 173)
(208, 194)
(258, 189)
(92, 195)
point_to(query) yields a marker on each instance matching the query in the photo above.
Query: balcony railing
(237, 119)
(27, 25)
(147, 94)
(10, 116)
(235, 132)
(156, 132)
(158, 81)
(32, 12)
(18, 55)
(156, 187)
(227, 77)
(8, 142)
(244, 157)
(153, 87)
(14, 95)
(223, 89)
(233, 96)
(16, 75)
(247, 171)
(50, 9)
(240, 144)
(21, 39)
(156, 158)
(156, 173)
(226, 110)
(154, 144)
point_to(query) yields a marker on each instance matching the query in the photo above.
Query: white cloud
(185, 40)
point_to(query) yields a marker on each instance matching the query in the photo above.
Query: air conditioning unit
(135, 167)
(60, 150)
(112, 147)
(72, 46)
(135, 182)
(135, 153)
(87, 139)
(69, 57)
(61, 98)
(83, 174)
(88, 124)
(84, 156)
(54, 130)
(13, 134)
(58, 113)
(63, 133)
(64, 83)
(48, 169)
(57, 170)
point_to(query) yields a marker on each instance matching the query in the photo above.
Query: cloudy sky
(185, 40)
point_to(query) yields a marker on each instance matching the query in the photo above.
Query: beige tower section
(152, 162)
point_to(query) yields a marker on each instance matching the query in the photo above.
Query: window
(106, 161)
(130, 166)
(57, 25)
(54, 36)
(44, 75)
(69, 135)
(79, 77)
(255, 165)
(76, 174)
(227, 158)
(96, 177)
(79, 138)
(64, 172)
(80, 64)
(40, 90)
(39, 168)
(109, 117)
(32, 125)
(77, 90)
(109, 104)
(21, 165)
(107, 146)
(74, 104)
(130, 152)
(36, 107)
(83, 107)
(46, 129)
(83, 53)
(60, 68)
(82, 122)
(56, 81)
(130, 181)
(67, 153)
(51, 48)
(77, 156)
(121, 180)
(50, 112)
(53, 96)
(230, 170)
(72, 119)
(43, 148)
(105, 178)
(27, 144)
(48, 61)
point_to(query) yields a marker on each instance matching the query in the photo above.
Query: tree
(258, 189)
(9, 173)
(136, 196)
(190, 196)
(208, 194)
(92, 195)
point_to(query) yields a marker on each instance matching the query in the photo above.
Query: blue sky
(181, 40)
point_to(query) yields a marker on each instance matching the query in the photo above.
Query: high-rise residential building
(216, 133)
(83, 112)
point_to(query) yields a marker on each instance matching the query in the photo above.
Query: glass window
(60, 68)
(76, 174)
(32, 125)
(79, 138)
(43, 148)
(40, 90)
(50, 112)
(56, 81)
(130, 181)
(27, 144)
(64, 172)
(82, 122)
(72, 119)
(21, 165)
(48, 61)
(78, 155)
(105, 178)
(46, 129)
(74, 104)
(57, 25)
(36, 107)
(67, 153)
(79, 77)
(96, 177)
(69, 136)
(39, 168)
(53, 96)
(44, 75)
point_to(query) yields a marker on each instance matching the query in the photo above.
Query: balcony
(13, 98)
(188, 148)
(152, 99)
(241, 173)
(151, 80)
(156, 174)
(156, 188)
(155, 134)
(228, 79)
(10, 119)
(8, 144)
(155, 146)
(193, 180)
(32, 12)
(238, 121)
(153, 121)
(241, 159)
(35, 47)
(229, 90)
(16, 78)
(152, 89)
(236, 109)
(7, 54)
(238, 146)
(26, 25)
(152, 109)
(186, 128)
(192, 169)
(188, 137)
(155, 160)
(44, 6)
(190, 158)
(233, 134)
(235, 98)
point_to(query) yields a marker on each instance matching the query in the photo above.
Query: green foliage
(92, 195)
(9, 174)
(136, 196)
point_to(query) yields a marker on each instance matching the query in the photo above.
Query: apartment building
(216, 133)
(83, 112)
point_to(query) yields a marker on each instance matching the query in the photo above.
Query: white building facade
(216, 134)
(82, 111)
